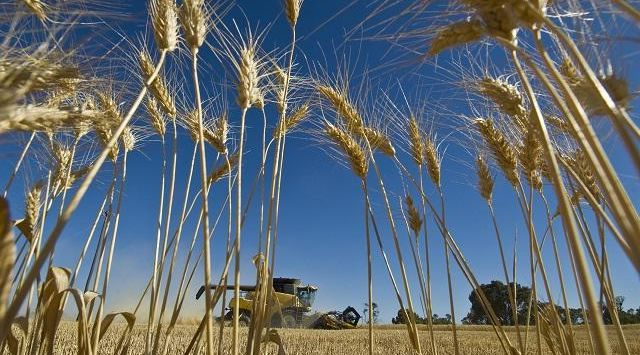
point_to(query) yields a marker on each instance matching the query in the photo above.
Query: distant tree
(401, 317)
(497, 294)
(626, 317)
(577, 316)
(375, 311)
(444, 320)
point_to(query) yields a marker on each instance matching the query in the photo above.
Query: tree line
(497, 294)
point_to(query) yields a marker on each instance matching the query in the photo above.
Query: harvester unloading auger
(289, 307)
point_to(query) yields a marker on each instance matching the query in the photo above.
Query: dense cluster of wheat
(537, 131)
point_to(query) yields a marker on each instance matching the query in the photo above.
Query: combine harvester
(289, 307)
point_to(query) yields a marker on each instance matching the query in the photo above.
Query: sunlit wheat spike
(104, 128)
(128, 139)
(37, 118)
(247, 84)
(211, 137)
(292, 10)
(485, 179)
(379, 141)
(31, 212)
(292, 121)
(7, 255)
(497, 16)
(222, 170)
(190, 121)
(164, 19)
(530, 157)
(505, 95)
(193, 17)
(82, 125)
(432, 160)
(74, 175)
(62, 156)
(350, 147)
(502, 151)
(112, 113)
(279, 88)
(616, 86)
(20, 75)
(158, 87)
(570, 72)
(156, 118)
(456, 34)
(579, 163)
(415, 141)
(526, 15)
(413, 217)
(343, 107)
(560, 124)
(220, 132)
(37, 7)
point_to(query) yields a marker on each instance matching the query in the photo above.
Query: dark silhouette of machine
(290, 302)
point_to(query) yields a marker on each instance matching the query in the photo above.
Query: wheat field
(474, 340)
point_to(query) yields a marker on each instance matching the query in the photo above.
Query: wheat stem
(62, 221)
(568, 221)
(415, 342)
(624, 211)
(176, 241)
(236, 287)
(462, 264)
(276, 178)
(65, 183)
(105, 282)
(165, 246)
(369, 270)
(205, 203)
(511, 292)
(558, 264)
(388, 265)
(584, 190)
(427, 257)
(25, 149)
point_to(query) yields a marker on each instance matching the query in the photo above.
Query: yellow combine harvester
(293, 301)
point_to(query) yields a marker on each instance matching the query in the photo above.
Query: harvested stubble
(389, 340)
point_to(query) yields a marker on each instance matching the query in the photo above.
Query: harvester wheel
(244, 317)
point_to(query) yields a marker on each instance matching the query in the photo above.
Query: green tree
(497, 294)
(442, 320)
(401, 317)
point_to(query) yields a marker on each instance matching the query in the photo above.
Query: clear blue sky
(321, 237)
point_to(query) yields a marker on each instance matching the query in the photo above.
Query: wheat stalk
(8, 255)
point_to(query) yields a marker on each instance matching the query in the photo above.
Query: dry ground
(389, 340)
